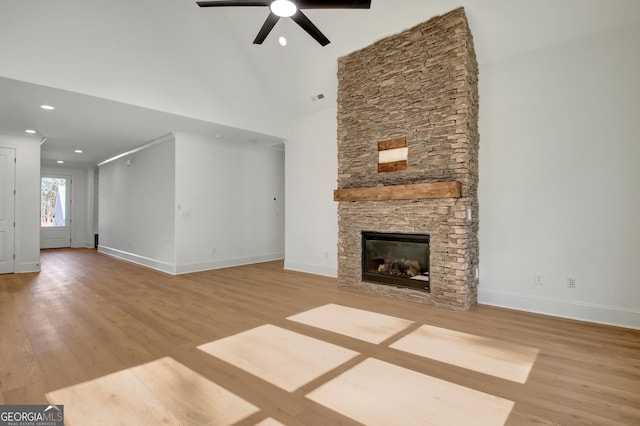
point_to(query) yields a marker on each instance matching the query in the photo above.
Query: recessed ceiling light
(282, 41)
(31, 132)
(60, 162)
(78, 151)
(47, 107)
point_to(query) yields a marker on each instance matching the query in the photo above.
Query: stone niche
(420, 85)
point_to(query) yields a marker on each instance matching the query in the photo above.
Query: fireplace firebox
(396, 259)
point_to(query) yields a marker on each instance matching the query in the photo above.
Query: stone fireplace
(408, 158)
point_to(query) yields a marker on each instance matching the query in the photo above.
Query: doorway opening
(55, 211)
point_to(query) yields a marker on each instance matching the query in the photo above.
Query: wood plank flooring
(114, 338)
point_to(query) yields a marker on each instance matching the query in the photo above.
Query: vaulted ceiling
(124, 72)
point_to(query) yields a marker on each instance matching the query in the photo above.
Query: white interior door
(7, 212)
(55, 211)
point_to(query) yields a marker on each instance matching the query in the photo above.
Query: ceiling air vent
(317, 98)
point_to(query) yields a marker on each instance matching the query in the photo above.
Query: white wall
(96, 200)
(91, 225)
(559, 174)
(137, 194)
(311, 176)
(188, 203)
(81, 203)
(27, 206)
(229, 203)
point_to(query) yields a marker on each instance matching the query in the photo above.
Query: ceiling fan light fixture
(283, 8)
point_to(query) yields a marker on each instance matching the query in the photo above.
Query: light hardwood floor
(118, 343)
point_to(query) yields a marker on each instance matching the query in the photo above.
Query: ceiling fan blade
(302, 20)
(232, 3)
(268, 25)
(334, 4)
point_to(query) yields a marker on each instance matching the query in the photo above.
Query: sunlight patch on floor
(160, 392)
(364, 325)
(269, 422)
(489, 356)
(281, 357)
(373, 392)
(378, 393)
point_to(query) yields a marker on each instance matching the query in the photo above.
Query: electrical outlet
(571, 281)
(538, 279)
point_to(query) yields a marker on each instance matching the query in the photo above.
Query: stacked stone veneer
(421, 84)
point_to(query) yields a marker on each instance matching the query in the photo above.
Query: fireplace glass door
(396, 259)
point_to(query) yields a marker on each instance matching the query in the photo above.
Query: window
(52, 198)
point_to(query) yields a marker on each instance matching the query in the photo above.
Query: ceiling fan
(291, 9)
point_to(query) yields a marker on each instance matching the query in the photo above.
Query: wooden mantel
(451, 189)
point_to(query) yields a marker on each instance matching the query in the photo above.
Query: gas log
(400, 267)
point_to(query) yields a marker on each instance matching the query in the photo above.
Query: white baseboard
(186, 268)
(327, 271)
(81, 244)
(25, 267)
(158, 265)
(591, 312)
